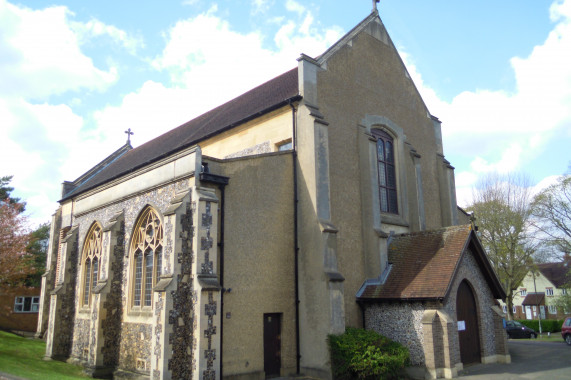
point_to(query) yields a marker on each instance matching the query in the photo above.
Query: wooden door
(272, 345)
(468, 331)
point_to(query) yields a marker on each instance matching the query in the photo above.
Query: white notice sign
(461, 325)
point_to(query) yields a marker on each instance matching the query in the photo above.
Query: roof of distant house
(557, 273)
(263, 99)
(428, 257)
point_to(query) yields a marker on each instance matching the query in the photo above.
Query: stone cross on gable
(375, 4)
(129, 133)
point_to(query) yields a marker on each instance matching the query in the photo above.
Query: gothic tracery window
(146, 248)
(91, 258)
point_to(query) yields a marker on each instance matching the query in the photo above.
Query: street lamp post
(537, 301)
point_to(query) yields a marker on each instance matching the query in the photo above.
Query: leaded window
(146, 246)
(387, 172)
(91, 258)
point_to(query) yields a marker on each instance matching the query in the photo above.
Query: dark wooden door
(272, 345)
(468, 330)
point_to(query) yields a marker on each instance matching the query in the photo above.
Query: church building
(230, 247)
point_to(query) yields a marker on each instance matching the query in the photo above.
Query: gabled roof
(557, 273)
(533, 299)
(70, 188)
(425, 263)
(265, 98)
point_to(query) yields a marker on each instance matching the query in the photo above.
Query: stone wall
(401, 322)
(126, 345)
(80, 346)
(135, 349)
(181, 317)
(66, 305)
(112, 324)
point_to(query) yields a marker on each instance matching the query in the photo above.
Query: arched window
(146, 248)
(90, 260)
(387, 172)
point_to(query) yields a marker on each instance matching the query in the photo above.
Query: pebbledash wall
(403, 321)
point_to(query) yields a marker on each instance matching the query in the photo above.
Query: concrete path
(530, 360)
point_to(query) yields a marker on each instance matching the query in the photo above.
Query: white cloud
(150, 111)
(294, 6)
(260, 6)
(204, 54)
(34, 147)
(95, 28)
(503, 131)
(40, 56)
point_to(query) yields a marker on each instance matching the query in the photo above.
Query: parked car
(515, 329)
(566, 330)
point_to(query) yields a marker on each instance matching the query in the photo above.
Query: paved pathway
(530, 360)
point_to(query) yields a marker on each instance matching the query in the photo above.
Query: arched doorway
(468, 331)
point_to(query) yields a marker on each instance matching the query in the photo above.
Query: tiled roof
(258, 101)
(424, 264)
(533, 299)
(557, 273)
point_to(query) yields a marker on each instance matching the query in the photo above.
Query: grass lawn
(23, 357)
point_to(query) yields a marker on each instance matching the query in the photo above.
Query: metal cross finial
(129, 133)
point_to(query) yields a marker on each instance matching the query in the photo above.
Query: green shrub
(364, 354)
(547, 325)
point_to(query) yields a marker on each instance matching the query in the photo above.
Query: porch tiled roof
(424, 265)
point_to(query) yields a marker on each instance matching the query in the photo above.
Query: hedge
(364, 354)
(547, 325)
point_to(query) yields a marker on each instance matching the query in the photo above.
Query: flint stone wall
(401, 322)
(134, 344)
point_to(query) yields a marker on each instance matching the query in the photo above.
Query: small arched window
(146, 248)
(90, 261)
(387, 172)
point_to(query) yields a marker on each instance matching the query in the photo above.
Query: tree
(15, 263)
(38, 249)
(5, 191)
(501, 205)
(551, 209)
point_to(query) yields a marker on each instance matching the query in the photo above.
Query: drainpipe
(295, 238)
(221, 248)
(221, 181)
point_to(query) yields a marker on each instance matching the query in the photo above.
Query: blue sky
(75, 74)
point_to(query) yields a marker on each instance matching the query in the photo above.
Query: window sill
(145, 312)
(393, 219)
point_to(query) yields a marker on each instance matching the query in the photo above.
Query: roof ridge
(262, 99)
